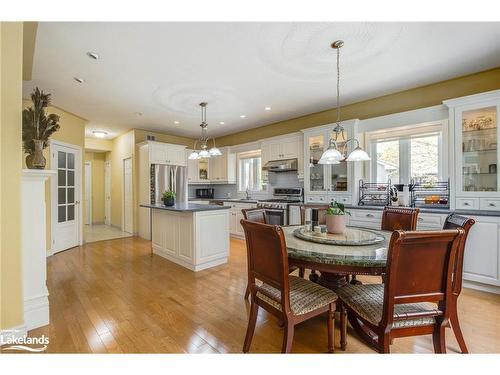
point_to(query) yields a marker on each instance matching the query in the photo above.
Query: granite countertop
(237, 200)
(360, 256)
(428, 210)
(186, 207)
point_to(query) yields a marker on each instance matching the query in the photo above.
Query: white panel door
(128, 205)
(107, 193)
(88, 193)
(65, 193)
(290, 149)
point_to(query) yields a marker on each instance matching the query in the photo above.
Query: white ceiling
(164, 70)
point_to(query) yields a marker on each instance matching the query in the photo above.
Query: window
(249, 171)
(405, 154)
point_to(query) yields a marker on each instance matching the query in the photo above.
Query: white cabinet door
(290, 148)
(239, 228)
(192, 169)
(275, 151)
(158, 153)
(481, 259)
(175, 155)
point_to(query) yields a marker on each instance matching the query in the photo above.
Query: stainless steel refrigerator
(168, 177)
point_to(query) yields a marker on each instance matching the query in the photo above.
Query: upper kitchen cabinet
(284, 148)
(220, 169)
(323, 183)
(223, 168)
(165, 153)
(474, 129)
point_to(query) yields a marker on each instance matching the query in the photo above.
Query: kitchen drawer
(316, 199)
(491, 204)
(344, 199)
(365, 215)
(430, 221)
(467, 203)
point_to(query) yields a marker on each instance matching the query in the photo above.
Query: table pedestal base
(329, 280)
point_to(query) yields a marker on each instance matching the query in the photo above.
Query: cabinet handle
(369, 215)
(492, 205)
(466, 203)
(420, 219)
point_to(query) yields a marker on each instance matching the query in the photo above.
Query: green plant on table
(336, 208)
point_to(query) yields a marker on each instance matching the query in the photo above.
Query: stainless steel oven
(276, 216)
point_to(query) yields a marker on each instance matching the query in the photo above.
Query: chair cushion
(305, 296)
(367, 300)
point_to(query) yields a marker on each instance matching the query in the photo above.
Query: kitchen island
(195, 236)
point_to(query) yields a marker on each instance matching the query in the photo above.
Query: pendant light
(332, 155)
(204, 152)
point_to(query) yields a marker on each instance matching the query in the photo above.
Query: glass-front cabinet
(323, 183)
(476, 135)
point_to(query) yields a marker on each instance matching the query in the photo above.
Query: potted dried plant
(336, 218)
(37, 129)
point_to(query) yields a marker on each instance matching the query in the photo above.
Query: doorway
(128, 207)
(99, 225)
(66, 214)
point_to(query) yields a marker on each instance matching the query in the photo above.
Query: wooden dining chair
(290, 298)
(416, 297)
(399, 218)
(454, 221)
(258, 215)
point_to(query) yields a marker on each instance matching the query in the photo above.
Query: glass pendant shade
(204, 154)
(214, 151)
(193, 155)
(331, 156)
(358, 154)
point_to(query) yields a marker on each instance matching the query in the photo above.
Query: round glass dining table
(335, 261)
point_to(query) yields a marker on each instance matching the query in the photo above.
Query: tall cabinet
(474, 130)
(324, 183)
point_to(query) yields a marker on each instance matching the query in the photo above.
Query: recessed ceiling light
(99, 133)
(138, 113)
(176, 122)
(267, 108)
(243, 116)
(93, 55)
(221, 122)
(79, 80)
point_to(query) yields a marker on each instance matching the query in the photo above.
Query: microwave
(206, 193)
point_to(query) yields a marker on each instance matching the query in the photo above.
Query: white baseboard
(482, 287)
(190, 266)
(10, 334)
(36, 312)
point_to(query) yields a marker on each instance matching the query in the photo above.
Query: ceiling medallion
(204, 153)
(332, 154)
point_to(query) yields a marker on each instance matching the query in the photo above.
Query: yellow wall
(11, 57)
(123, 148)
(420, 97)
(97, 160)
(98, 144)
(72, 131)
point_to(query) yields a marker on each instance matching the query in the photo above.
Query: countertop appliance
(168, 177)
(205, 193)
(277, 207)
(287, 165)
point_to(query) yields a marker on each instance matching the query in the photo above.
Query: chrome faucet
(247, 192)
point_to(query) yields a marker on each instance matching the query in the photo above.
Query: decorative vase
(36, 160)
(168, 201)
(335, 224)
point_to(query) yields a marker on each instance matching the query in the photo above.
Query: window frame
(243, 156)
(404, 135)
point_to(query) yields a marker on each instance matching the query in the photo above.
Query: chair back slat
(399, 218)
(454, 221)
(257, 215)
(267, 256)
(419, 268)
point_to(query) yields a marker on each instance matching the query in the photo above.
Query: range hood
(287, 165)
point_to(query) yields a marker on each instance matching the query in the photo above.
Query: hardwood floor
(114, 297)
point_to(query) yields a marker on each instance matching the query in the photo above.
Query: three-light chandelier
(204, 152)
(334, 154)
